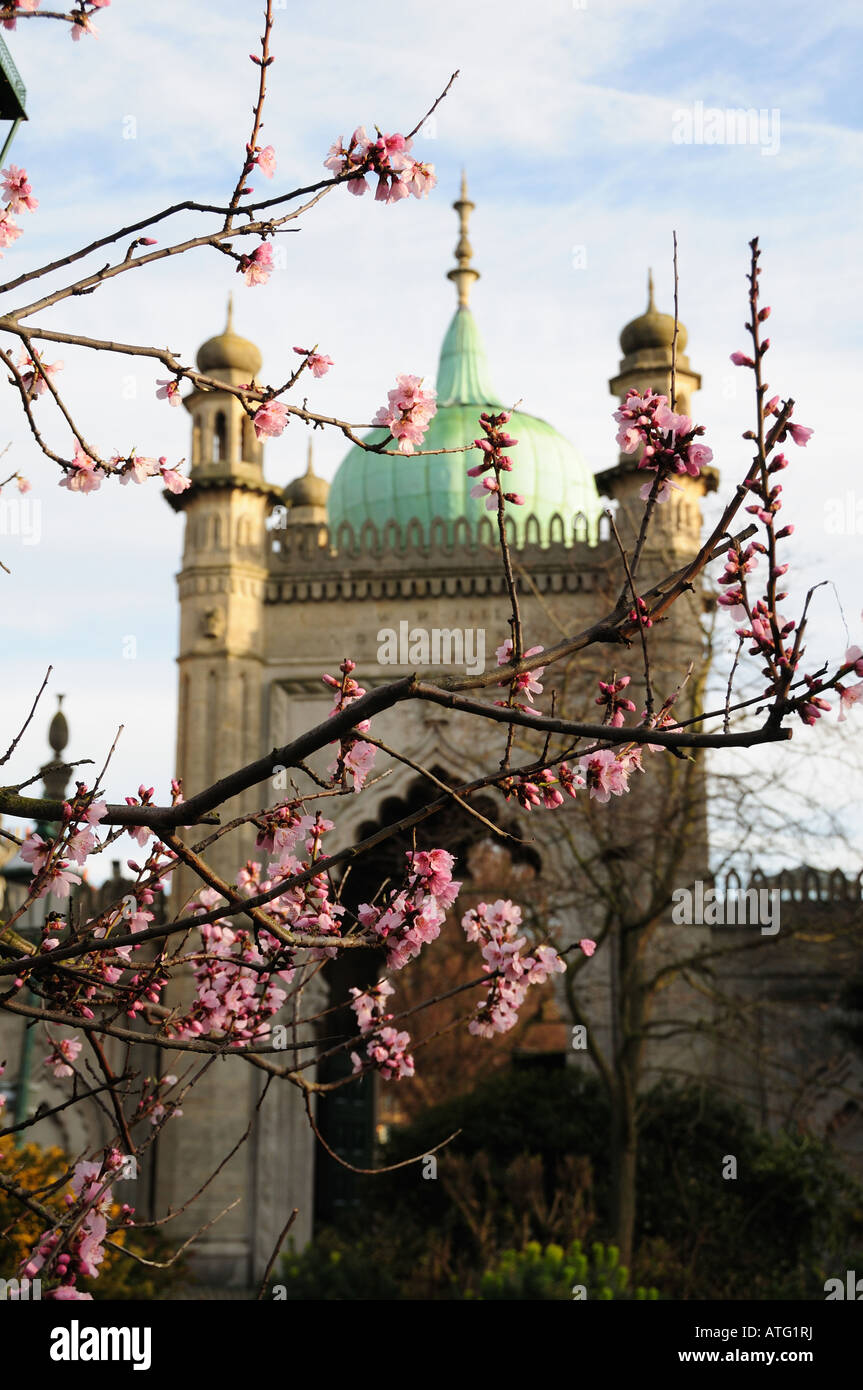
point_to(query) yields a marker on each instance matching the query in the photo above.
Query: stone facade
(266, 607)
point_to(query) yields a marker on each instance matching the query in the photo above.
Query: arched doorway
(354, 1118)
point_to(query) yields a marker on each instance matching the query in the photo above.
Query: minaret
(220, 726)
(222, 582)
(55, 774)
(306, 497)
(646, 344)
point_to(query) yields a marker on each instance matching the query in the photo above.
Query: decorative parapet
(802, 884)
(308, 563)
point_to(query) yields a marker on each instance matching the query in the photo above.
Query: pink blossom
(266, 161)
(139, 469)
(408, 412)
(495, 927)
(388, 1053)
(413, 916)
(25, 6)
(34, 379)
(741, 360)
(664, 491)
(547, 962)
(35, 851)
(175, 482)
(677, 425)
(270, 419)
(81, 844)
(258, 267)
(17, 190)
(341, 160)
(528, 681)
(169, 390)
(9, 229)
(848, 697)
(489, 489)
(854, 657)
(799, 433)
(317, 362)
(421, 179)
(357, 759)
(369, 1006)
(23, 484)
(83, 25)
(65, 1050)
(699, 455)
(60, 879)
(587, 946)
(604, 775)
(85, 475)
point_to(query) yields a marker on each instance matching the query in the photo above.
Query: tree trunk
(624, 1155)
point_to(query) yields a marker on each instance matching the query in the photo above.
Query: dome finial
(58, 729)
(229, 325)
(463, 274)
(652, 330)
(310, 472)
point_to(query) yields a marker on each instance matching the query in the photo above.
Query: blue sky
(563, 117)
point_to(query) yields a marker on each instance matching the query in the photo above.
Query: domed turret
(55, 776)
(229, 352)
(58, 730)
(651, 330)
(647, 347)
(306, 497)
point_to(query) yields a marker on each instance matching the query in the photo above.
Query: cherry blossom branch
(25, 726)
(262, 1289)
(257, 114)
(648, 686)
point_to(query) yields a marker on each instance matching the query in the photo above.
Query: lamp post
(13, 94)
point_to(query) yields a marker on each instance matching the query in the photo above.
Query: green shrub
(335, 1268)
(558, 1275)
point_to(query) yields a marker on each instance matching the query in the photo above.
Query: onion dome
(651, 329)
(548, 471)
(308, 490)
(229, 352)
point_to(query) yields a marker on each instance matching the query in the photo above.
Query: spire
(58, 729)
(650, 303)
(55, 774)
(463, 275)
(307, 491)
(229, 326)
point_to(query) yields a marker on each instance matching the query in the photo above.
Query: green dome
(547, 470)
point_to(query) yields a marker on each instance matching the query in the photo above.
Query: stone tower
(222, 581)
(647, 347)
